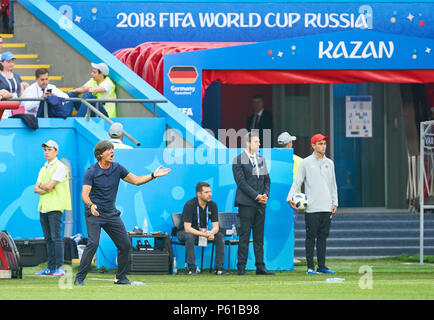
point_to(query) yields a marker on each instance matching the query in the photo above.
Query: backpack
(10, 265)
(56, 108)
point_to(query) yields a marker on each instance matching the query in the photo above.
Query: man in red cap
(317, 172)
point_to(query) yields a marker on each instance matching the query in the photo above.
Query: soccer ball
(300, 200)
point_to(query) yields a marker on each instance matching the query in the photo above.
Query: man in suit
(253, 182)
(260, 120)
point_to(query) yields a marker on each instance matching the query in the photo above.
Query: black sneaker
(78, 282)
(221, 272)
(123, 281)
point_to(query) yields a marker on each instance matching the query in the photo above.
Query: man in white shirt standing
(53, 187)
(317, 172)
(40, 89)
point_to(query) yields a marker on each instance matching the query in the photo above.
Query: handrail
(107, 119)
(92, 108)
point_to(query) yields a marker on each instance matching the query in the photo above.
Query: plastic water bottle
(335, 280)
(234, 232)
(174, 268)
(145, 226)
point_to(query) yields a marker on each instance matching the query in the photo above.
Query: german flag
(182, 74)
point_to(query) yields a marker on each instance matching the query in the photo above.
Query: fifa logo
(367, 280)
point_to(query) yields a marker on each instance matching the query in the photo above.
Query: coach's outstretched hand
(159, 172)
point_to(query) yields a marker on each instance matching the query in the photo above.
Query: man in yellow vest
(285, 140)
(100, 86)
(53, 186)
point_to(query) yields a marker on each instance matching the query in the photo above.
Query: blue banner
(127, 24)
(352, 50)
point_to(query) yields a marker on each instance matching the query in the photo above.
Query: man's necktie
(255, 167)
(256, 123)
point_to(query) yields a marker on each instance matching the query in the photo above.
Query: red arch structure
(147, 61)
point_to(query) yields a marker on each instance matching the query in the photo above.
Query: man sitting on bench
(195, 216)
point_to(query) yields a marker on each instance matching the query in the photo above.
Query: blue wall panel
(21, 157)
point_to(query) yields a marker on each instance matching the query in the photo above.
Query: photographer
(40, 89)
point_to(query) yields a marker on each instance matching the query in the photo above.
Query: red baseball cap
(318, 137)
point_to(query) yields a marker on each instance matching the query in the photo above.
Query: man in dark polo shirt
(100, 187)
(195, 216)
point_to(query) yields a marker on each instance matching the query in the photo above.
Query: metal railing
(426, 174)
(90, 107)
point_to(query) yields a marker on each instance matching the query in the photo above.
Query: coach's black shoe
(78, 282)
(241, 271)
(123, 281)
(264, 271)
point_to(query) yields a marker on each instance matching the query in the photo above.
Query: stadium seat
(226, 220)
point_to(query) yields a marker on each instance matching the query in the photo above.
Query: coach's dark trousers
(317, 231)
(116, 230)
(251, 219)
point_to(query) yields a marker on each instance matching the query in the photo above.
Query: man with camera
(42, 88)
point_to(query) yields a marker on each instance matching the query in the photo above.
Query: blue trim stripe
(254, 1)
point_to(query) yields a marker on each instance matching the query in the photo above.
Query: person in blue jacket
(10, 82)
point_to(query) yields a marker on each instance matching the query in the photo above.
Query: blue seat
(226, 220)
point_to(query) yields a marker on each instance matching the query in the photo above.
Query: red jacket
(5, 6)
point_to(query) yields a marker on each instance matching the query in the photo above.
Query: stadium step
(15, 48)
(14, 45)
(27, 62)
(371, 235)
(371, 242)
(376, 251)
(33, 78)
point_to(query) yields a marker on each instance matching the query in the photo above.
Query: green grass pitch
(372, 279)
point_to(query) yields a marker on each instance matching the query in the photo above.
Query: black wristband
(152, 175)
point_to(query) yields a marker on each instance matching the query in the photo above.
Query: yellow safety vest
(110, 107)
(297, 161)
(60, 198)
